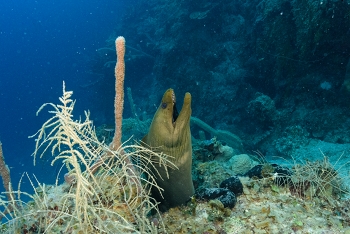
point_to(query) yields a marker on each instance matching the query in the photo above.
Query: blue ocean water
(42, 44)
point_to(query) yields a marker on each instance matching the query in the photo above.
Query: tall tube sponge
(119, 73)
(115, 145)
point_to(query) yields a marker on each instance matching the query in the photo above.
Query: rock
(227, 198)
(233, 184)
(280, 174)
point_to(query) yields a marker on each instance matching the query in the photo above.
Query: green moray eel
(170, 133)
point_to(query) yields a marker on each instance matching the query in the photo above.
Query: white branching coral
(115, 198)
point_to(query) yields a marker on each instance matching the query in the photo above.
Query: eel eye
(164, 105)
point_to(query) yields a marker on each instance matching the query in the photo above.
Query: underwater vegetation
(112, 199)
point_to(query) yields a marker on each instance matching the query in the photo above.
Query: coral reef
(262, 109)
(257, 71)
(264, 207)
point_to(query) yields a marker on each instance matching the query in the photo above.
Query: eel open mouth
(175, 112)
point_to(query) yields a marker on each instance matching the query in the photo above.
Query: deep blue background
(43, 43)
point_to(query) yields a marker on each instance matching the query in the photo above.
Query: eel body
(170, 133)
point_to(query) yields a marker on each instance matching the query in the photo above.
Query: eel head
(170, 129)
